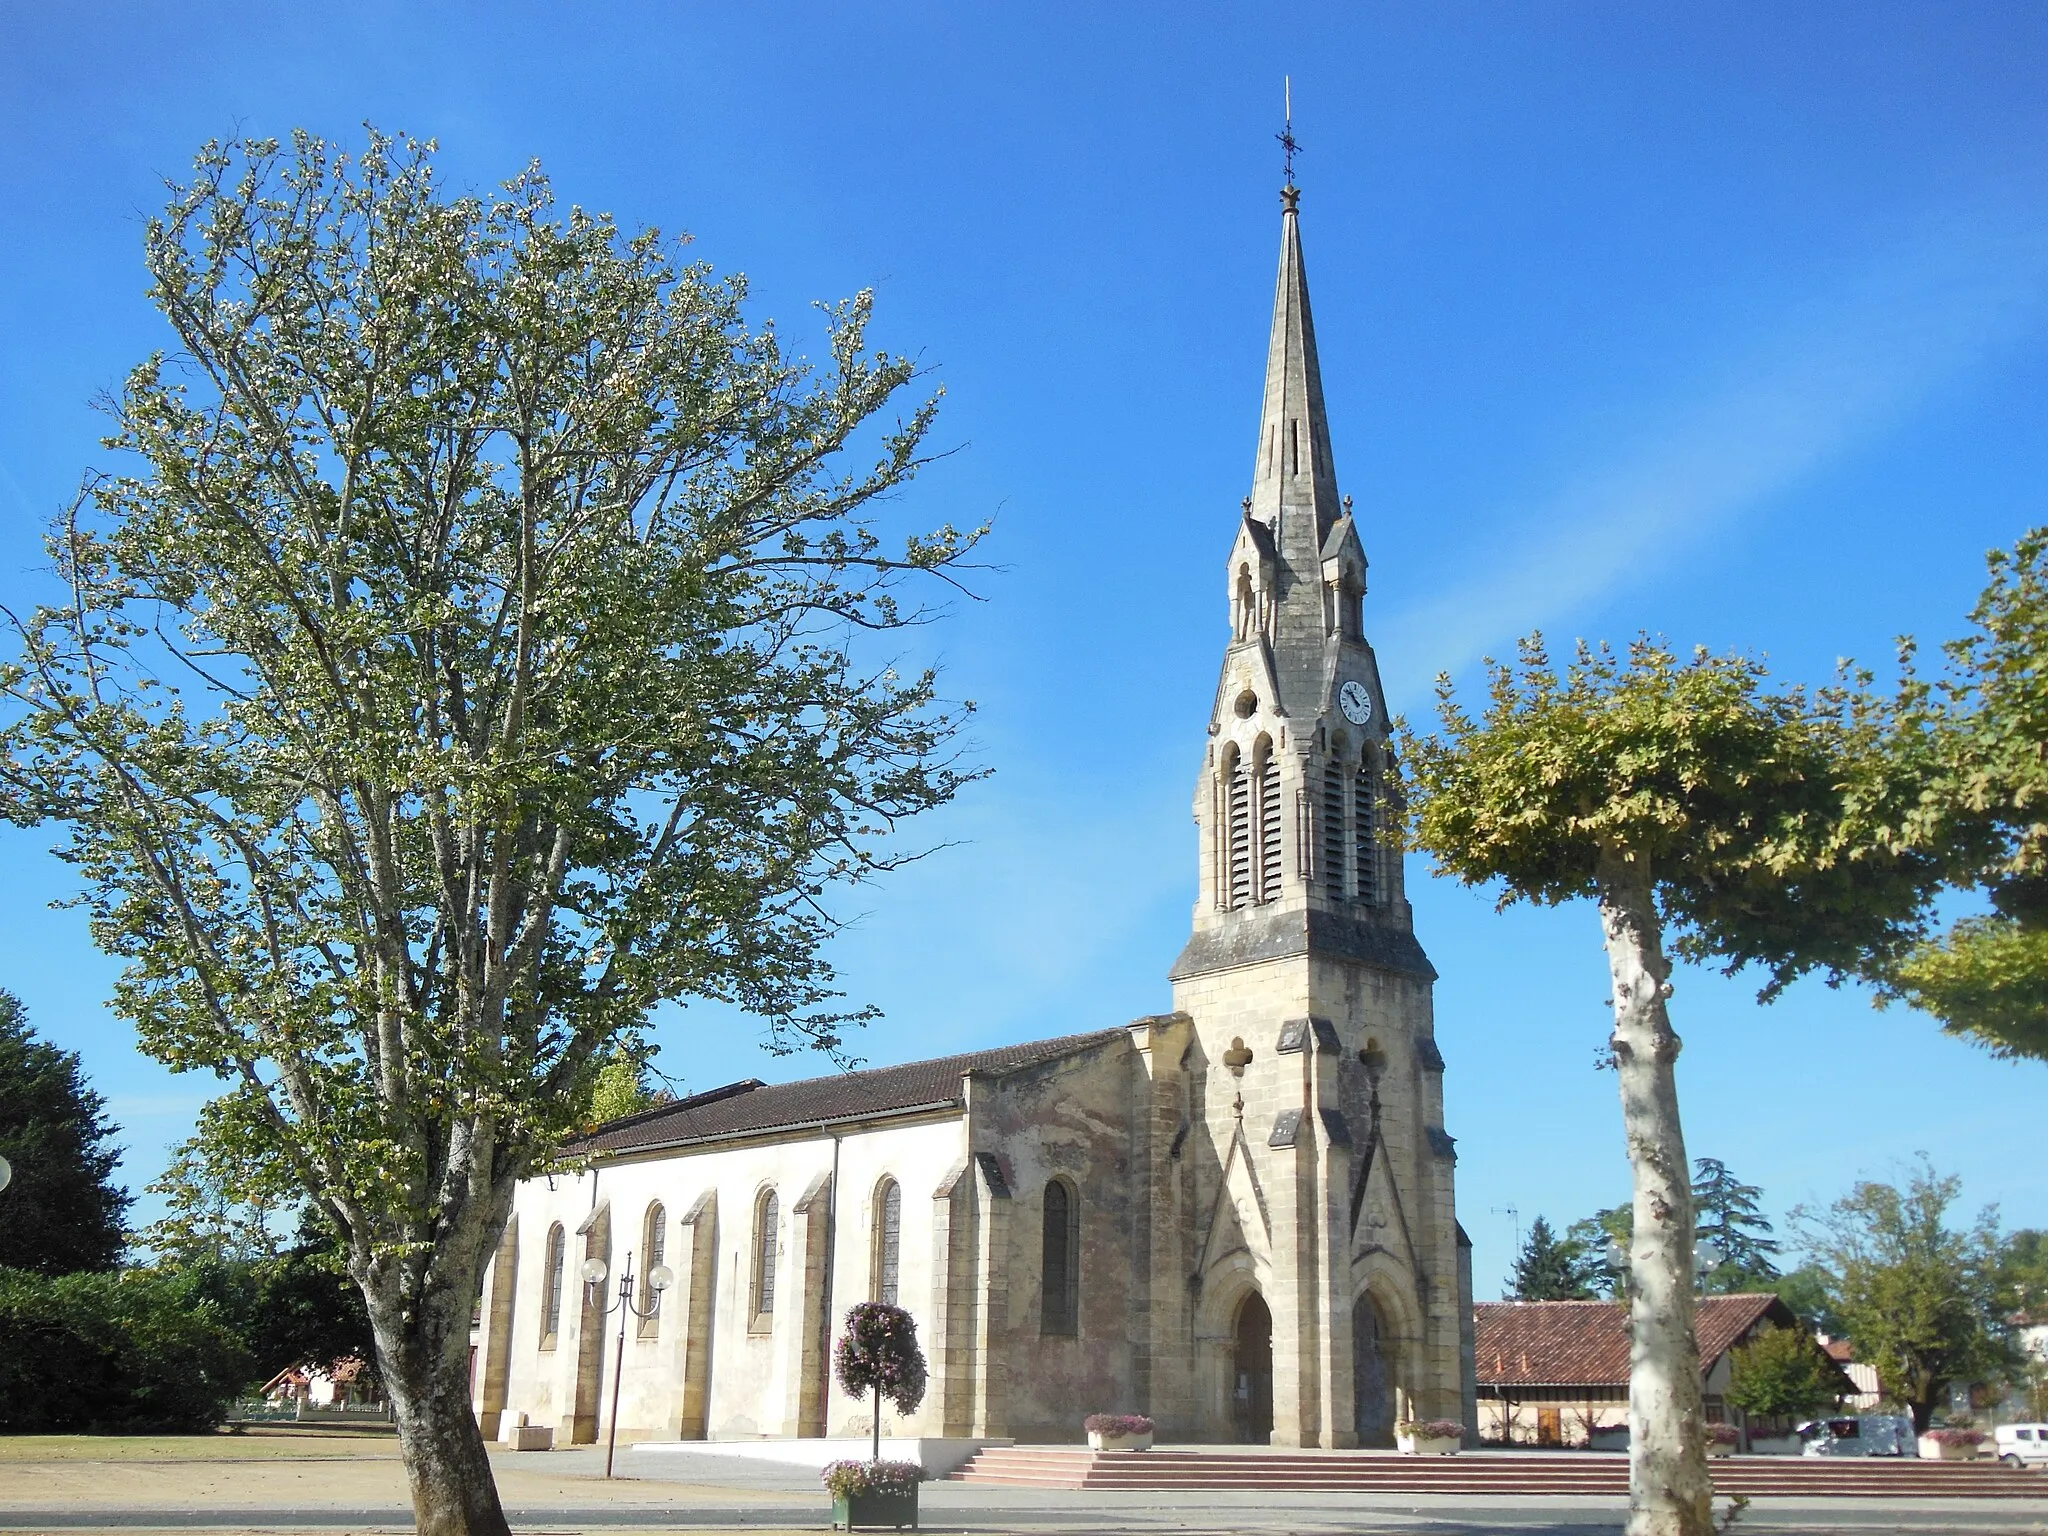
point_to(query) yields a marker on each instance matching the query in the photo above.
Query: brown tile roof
(1585, 1343)
(750, 1108)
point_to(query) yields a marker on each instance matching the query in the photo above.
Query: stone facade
(1237, 1217)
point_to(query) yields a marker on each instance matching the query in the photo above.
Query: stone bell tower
(1326, 1291)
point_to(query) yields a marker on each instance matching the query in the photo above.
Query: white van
(2022, 1445)
(1863, 1434)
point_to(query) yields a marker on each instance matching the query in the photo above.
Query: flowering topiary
(878, 1354)
(857, 1479)
(1124, 1424)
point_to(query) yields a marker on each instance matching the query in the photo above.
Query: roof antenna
(1288, 144)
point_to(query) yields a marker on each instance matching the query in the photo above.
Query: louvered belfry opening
(1333, 829)
(1364, 829)
(1237, 820)
(1269, 826)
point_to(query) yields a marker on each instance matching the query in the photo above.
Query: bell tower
(1329, 1285)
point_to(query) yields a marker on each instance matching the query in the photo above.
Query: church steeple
(1294, 479)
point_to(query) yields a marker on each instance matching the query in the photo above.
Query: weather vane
(1288, 143)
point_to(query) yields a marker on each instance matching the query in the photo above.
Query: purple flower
(852, 1479)
(1125, 1424)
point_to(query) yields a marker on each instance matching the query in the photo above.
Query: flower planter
(1716, 1448)
(1932, 1449)
(872, 1511)
(1426, 1445)
(1101, 1442)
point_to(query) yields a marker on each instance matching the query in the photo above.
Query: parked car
(2022, 1445)
(1862, 1434)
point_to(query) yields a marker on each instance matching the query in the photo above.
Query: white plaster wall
(752, 1372)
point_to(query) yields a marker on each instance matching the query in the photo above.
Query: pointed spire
(1294, 480)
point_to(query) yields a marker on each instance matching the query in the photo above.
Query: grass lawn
(261, 1443)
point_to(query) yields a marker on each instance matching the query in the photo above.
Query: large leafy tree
(1974, 753)
(483, 649)
(62, 1211)
(1706, 816)
(1926, 1301)
(1552, 1268)
(1782, 1372)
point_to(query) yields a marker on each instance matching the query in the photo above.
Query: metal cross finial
(1289, 145)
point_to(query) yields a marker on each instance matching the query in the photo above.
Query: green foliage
(1551, 1268)
(62, 1211)
(1781, 1373)
(1926, 1303)
(467, 663)
(210, 1215)
(1591, 1235)
(1972, 781)
(622, 1089)
(1809, 1291)
(113, 1354)
(1761, 818)
(1729, 1213)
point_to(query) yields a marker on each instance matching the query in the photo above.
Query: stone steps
(1511, 1472)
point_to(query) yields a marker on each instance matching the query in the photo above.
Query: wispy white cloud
(1832, 374)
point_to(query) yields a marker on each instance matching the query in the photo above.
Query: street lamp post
(659, 1279)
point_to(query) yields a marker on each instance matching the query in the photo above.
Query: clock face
(1355, 699)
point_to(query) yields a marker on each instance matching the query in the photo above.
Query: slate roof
(1585, 1343)
(751, 1107)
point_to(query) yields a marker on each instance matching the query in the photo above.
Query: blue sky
(1726, 322)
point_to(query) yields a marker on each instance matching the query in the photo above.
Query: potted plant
(1954, 1443)
(877, 1356)
(1722, 1439)
(1118, 1431)
(873, 1493)
(1429, 1437)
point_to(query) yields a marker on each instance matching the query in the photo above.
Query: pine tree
(63, 1211)
(1729, 1214)
(1550, 1268)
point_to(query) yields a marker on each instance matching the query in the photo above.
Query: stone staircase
(1515, 1473)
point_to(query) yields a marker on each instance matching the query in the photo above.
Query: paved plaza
(352, 1482)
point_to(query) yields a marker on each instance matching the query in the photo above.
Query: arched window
(1269, 825)
(551, 1304)
(653, 1248)
(888, 1240)
(1364, 831)
(1060, 1270)
(767, 1217)
(1333, 829)
(1237, 832)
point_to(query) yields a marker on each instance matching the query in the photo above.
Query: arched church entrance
(1251, 1396)
(1372, 1374)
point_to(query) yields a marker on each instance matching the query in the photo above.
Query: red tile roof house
(1555, 1373)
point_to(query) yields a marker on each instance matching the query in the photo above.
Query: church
(1236, 1217)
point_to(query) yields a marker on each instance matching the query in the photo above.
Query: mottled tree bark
(1670, 1493)
(423, 1356)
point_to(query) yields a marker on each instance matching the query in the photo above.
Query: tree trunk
(1669, 1491)
(423, 1356)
